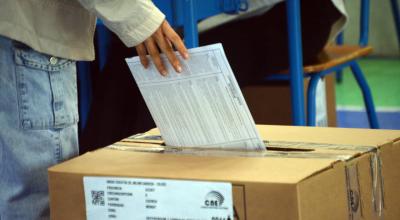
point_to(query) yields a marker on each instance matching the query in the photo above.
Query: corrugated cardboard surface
(343, 136)
(386, 145)
(314, 206)
(270, 183)
(284, 187)
(156, 165)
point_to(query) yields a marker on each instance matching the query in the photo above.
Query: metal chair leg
(339, 41)
(369, 103)
(84, 92)
(103, 41)
(396, 17)
(190, 25)
(339, 76)
(296, 61)
(311, 100)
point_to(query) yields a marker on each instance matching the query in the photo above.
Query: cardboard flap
(108, 162)
(359, 137)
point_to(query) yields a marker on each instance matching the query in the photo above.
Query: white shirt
(65, 28)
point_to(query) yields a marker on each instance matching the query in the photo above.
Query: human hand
(163, 39)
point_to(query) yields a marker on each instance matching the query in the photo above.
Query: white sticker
(156, 199)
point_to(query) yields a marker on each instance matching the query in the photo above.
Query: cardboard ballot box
(308, 173)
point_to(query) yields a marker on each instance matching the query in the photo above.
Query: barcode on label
(98, 198)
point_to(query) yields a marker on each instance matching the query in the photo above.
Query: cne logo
(214, 199)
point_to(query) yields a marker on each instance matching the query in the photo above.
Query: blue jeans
(38, 126)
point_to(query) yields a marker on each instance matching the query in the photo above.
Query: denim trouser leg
(38, 126)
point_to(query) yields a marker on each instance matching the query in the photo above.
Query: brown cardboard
(364, 145)
(359, 187)
(278, 185)
(270, 104)
(387, 146)
(285, 187)
(386, 143)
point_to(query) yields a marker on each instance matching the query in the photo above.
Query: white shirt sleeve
(132, 20)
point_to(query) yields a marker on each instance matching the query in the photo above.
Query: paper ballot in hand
(200, 107)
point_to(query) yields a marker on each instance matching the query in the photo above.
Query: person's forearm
(132, 20)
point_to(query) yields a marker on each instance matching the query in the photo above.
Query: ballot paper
(200, 107)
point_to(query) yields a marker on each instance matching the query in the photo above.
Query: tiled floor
(383, 76)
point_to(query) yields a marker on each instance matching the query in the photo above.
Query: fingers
(142, 52)
(173, 37)
(166, 48)
(164, 39)
(155, 55)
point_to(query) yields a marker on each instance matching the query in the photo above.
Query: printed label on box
(156, 199)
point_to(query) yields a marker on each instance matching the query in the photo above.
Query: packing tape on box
(147, 147)
(312, 145)
(377, 180)
(378, 199)
(157, 139)
(287, 149)
(353, 192)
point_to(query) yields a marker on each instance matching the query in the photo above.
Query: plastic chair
(187, 13)
(337, 57)
(396, 17)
